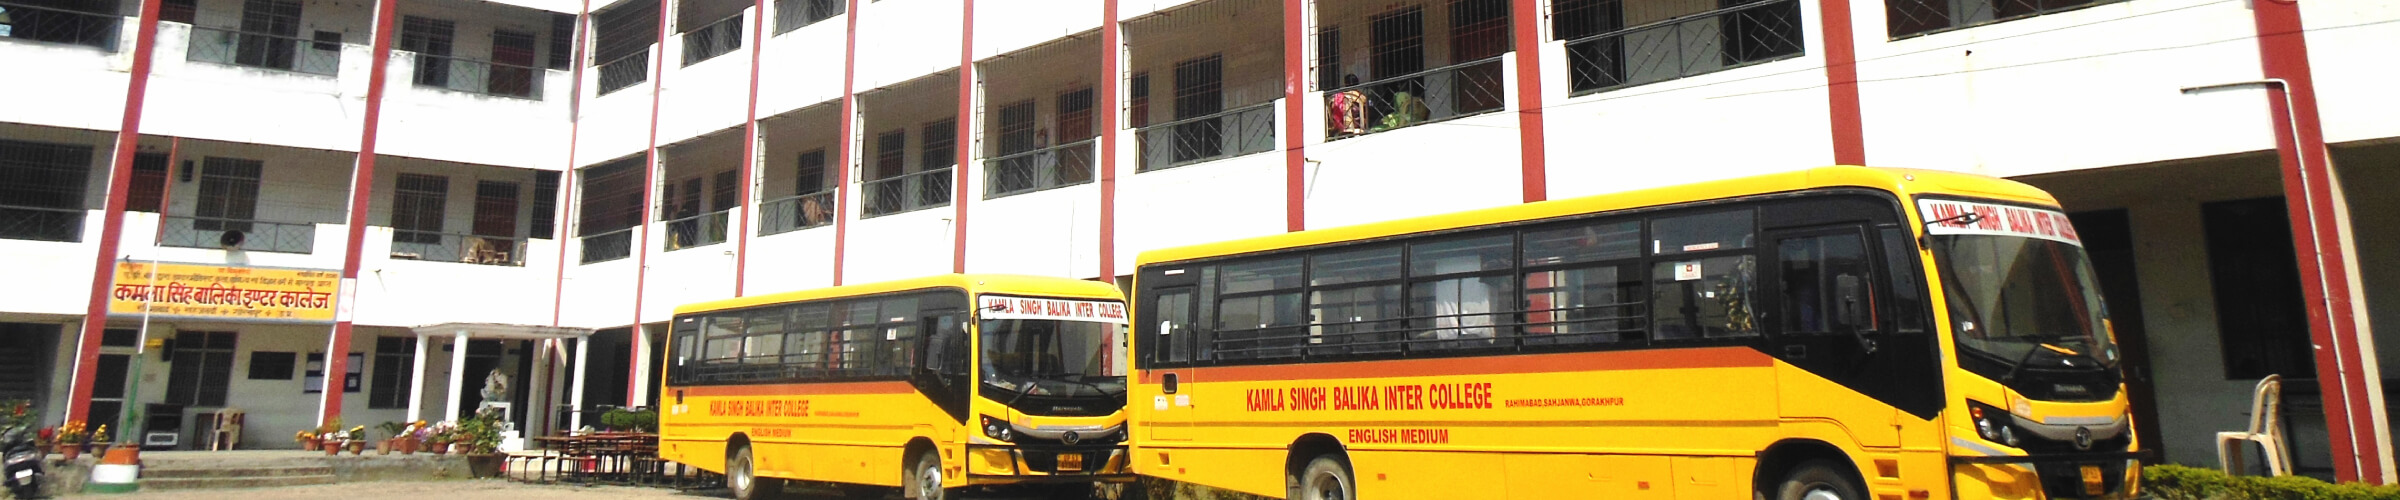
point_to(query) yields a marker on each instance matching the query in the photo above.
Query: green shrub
(2176, 482)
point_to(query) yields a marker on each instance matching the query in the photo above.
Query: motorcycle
(20, 462)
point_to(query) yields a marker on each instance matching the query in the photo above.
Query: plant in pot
(479, 438)
(391, 435)
(70, 439)
(307, 438)
(438, 436)
(330, 436)
(98, 442)
(357, 439)
(409, 439)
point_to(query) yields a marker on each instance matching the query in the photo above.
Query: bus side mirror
(1167, 382)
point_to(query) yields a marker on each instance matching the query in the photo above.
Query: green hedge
(2176, 482)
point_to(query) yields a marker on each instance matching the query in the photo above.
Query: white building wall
(2351, 69)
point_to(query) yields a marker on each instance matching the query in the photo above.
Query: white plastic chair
(2266, 429)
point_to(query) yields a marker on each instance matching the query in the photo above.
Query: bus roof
(1040, 286)
(1904, 181)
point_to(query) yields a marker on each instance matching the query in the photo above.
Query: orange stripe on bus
(884, 387)
(1643, 359)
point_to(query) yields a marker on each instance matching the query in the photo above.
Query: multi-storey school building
(543, 180)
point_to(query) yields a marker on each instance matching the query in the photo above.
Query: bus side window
(946, 351)
(1826, 285)
(1171, 311)
(1908, 294)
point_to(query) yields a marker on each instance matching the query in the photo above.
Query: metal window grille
(621, 45)
(907, 193)
(42, 189)
(1908, 18)
(1611, 44)
(496, 208)
(90, 28)
(266, 51)
(811, 207)
(511, 72)
(1400, 91)
(1329, 58)
(794, 14)
(1240, 131)
(611, 206)
(228, 194)
(715, 39)
(395, 360)
(1075, 114)
(692, 228)
(1138, 99)
(562, 41)
(178, 11)
(1199, 91)
(430, 39)
(1016, 128)
(545, 204)
(149, 184)
(418, 205)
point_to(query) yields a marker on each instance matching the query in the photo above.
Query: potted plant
(408, 440)
(70, 439)
(391, 433)
(438, 436)
(98, 442)
(479, 439)
(356, 439)
(307, 438)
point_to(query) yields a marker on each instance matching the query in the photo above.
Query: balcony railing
(41, 223)
(1702, 42)
(608, 246)
(698, 230)
(458, 247)
(478, 76)
(713, 40)
(912, 192)
(260, 50)
(624, 72)
(1227, 134)
(1041, 169)
(248, 235)
(44, 24)
(1414, 99)
(793, 213)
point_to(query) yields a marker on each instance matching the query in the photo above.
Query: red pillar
(362, 183)
(1525, 17)
(841, 175)
(966, 137)
(1295, 89)
(741, 221)
(2358, 454)
(112, 218)
(1841, 84)
(1109, 81)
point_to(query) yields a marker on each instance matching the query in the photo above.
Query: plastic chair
(2266, 429)
(228, 429)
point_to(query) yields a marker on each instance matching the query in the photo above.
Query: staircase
(235, 477)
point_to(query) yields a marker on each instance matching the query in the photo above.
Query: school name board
(999, 307)
(209, 291)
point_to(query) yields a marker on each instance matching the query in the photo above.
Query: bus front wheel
(925, 478)
(1326, 477)
(741, 476)
(1818, 480)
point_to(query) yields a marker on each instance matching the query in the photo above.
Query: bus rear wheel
(741, 476)
(1818, 480)
(1326, 477)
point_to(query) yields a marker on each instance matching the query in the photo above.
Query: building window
(41, 190)
(621, 45)
(512, 70)
(1199, 91)
(270, 33)
(178, 11)
(430, 39)
(545, 204)
(793, 14)
(270, 365)
(611, 206)
(1138, 94)
(228, 194)
(562, 41)
(149, 187)
(1614, 44)
(496, 209)
(2262, 319)
(87, 23)
(395, 371)
(1907, 18)
(715, 39)
(417, 208)
(1329, 57)
(202, 369)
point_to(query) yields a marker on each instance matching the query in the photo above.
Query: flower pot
(332, 448)
(310, 445)
(383, 447)
(407, 446)
(356, 447)
(484, 465)
(438, 448)
(70, 451)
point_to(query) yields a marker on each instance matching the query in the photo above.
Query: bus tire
(741, 476)
(1818, 480)
(924, 481)
(1326, 477)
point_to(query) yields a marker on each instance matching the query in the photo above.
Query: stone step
(234, 472)
(207, 483)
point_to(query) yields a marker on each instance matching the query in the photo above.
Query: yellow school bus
(1840, 333)
(932, 385)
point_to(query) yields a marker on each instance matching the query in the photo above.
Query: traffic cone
(119, 471)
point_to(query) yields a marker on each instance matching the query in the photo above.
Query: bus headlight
(997, 429)
(1992, 423)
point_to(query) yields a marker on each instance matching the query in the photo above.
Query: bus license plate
(1074, 462)
(2093, 483)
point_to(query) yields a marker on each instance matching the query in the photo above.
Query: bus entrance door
(1826, 320)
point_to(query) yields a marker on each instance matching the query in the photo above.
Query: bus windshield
(1055, 358)
(2019, 299)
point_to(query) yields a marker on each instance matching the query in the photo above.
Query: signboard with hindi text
(224, 292)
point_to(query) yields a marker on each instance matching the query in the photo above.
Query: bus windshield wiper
(1078, 379)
